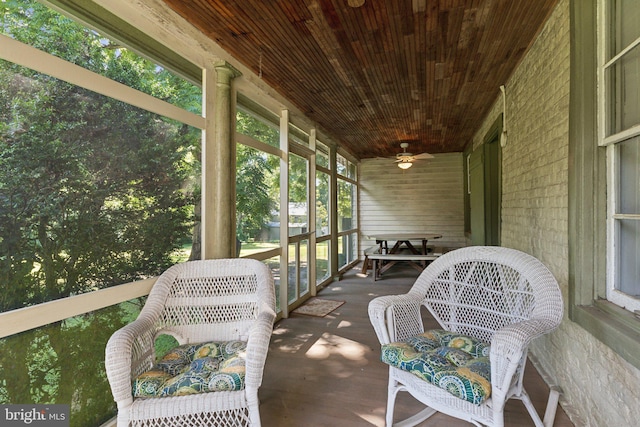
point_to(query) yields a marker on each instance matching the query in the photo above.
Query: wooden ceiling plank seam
(403, 83)
(281, 34)
(374, 74)
(327, 42)
(364, 34)
(230, 19)
(390, 55)
(315, 63)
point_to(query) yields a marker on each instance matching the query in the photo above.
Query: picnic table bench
(383, 261)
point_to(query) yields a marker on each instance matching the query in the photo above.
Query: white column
(218, 163)
(284, 212)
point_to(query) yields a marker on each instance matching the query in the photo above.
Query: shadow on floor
(326, 371)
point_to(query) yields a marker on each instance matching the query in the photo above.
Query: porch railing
(24, 319)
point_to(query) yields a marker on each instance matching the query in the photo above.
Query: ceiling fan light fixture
(405, 165)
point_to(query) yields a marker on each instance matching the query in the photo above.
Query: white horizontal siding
(428, 198)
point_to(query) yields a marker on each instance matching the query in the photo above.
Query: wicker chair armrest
(509, 348)
(388, 313)
(258, 346)
(127, 349)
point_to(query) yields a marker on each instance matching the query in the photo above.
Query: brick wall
(600, 388)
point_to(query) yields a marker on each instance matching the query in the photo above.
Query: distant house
(298, 222)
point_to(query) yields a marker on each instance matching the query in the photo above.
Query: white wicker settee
(492, 300)
(229, 300)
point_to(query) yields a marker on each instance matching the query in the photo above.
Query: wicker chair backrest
(211, 300)
(478, 290)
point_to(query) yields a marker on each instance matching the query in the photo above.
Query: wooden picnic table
(390, 257)
(404, 239)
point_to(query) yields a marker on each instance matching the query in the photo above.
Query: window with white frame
(619, 124)
(347, 211)
(99, 159)
(99, 173)
(323, 212)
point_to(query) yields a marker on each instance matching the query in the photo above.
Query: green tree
(257, 179)
(346, 200)
(93, 192)
(254, 206)
(322, 203)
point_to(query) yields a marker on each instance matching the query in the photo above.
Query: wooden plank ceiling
(421, 71)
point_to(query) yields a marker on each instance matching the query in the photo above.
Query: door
(476, 197)
(484, 198)
(492, 190)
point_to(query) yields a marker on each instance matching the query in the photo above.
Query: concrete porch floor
(325, 371)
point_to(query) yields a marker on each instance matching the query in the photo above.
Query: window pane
(292, 274)
(257, 127)
(322, 204)
(298, 270)
(629, 176)
(63, 363)
(343, 250)
(322, 154)
(298, 135)
(257, 199)
(304, 267)
(628, 256)
(298, 188)
(352, 171)
(622, 96)
(347, 249)
(346, 168)
(34, 24)
(93, 192)
(353, 247)
(341, 165)
(322, 261)
(623, 88)
(625, 15)
(346, 205)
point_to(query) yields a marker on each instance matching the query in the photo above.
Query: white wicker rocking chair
(500, 296)
(197, 301)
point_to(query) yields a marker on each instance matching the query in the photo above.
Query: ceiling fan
(405, 160)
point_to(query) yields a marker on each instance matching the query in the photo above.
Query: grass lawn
(249, 248)
(254, 247)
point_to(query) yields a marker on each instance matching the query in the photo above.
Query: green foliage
(346, 203)
(298, 185)
(63, 363)
(257, 179)
(93, 192)
(163, 344)
(322, 203)
(254, 204)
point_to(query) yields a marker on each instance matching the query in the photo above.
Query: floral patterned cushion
(195, 368)
(456, 363)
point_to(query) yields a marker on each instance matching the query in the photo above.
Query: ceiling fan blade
(423, 156)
